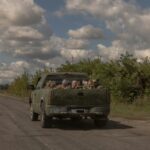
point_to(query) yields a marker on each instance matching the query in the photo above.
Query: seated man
(85, 84)
(65, 84)
(47, 85)
(53, 84)
(97, 84)
(90, 84)
(75, 84)
(50, 84)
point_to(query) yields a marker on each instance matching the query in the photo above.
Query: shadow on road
(87, 125)
(117, 125)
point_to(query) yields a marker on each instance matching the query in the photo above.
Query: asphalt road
(17, 132)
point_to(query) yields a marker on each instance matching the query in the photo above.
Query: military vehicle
(76, 104)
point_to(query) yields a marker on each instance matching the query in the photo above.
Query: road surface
(17, 132)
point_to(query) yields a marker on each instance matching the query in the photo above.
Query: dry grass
(138, 110)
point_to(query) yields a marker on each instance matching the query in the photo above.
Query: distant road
(17, 132)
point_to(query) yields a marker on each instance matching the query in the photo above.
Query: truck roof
(59, 76)
(67, 73)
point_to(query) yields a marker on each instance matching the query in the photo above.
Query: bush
(126, 77)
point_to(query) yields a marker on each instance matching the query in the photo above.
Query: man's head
(65, 83)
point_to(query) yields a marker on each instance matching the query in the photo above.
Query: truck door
(37, 95)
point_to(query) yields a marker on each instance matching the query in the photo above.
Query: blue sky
(144, 3)
(39, 33)
(60, 25)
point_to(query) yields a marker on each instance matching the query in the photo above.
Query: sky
(46, 33)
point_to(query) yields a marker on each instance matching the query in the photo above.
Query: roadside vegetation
(127, 78)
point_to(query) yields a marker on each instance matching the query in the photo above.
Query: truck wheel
(44, 118)
(33, 115)
(100, 123)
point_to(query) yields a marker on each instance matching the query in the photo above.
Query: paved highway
(17, 132)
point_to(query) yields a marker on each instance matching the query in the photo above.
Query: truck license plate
(77, 110)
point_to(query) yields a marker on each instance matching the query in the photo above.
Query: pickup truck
(58, 103)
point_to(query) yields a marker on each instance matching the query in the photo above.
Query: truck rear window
(70, 77)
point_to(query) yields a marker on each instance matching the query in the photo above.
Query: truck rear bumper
(55, 111)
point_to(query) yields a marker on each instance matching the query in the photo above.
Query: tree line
(127, 77)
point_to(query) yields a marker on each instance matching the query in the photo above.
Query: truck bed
(80, 97)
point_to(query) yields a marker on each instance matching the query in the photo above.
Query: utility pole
(72, 59)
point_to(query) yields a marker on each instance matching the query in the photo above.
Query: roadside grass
(14, 96)
(140, 109)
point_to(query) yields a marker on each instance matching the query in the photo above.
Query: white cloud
(19, 64)
(86, 32)
(16, 12)
(23, 28)
(73, 53)
(142, 53)
(77, 54)
(129, 22)
(110, 53)
(76, 44)
(8, 72)
(23, 34)
(51, 48)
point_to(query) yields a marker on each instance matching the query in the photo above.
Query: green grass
(138, 110)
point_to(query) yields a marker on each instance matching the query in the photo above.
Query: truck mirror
(30, 87)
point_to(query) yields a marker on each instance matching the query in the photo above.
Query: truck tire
(100, 123)
(33, 116)
(44, 117)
